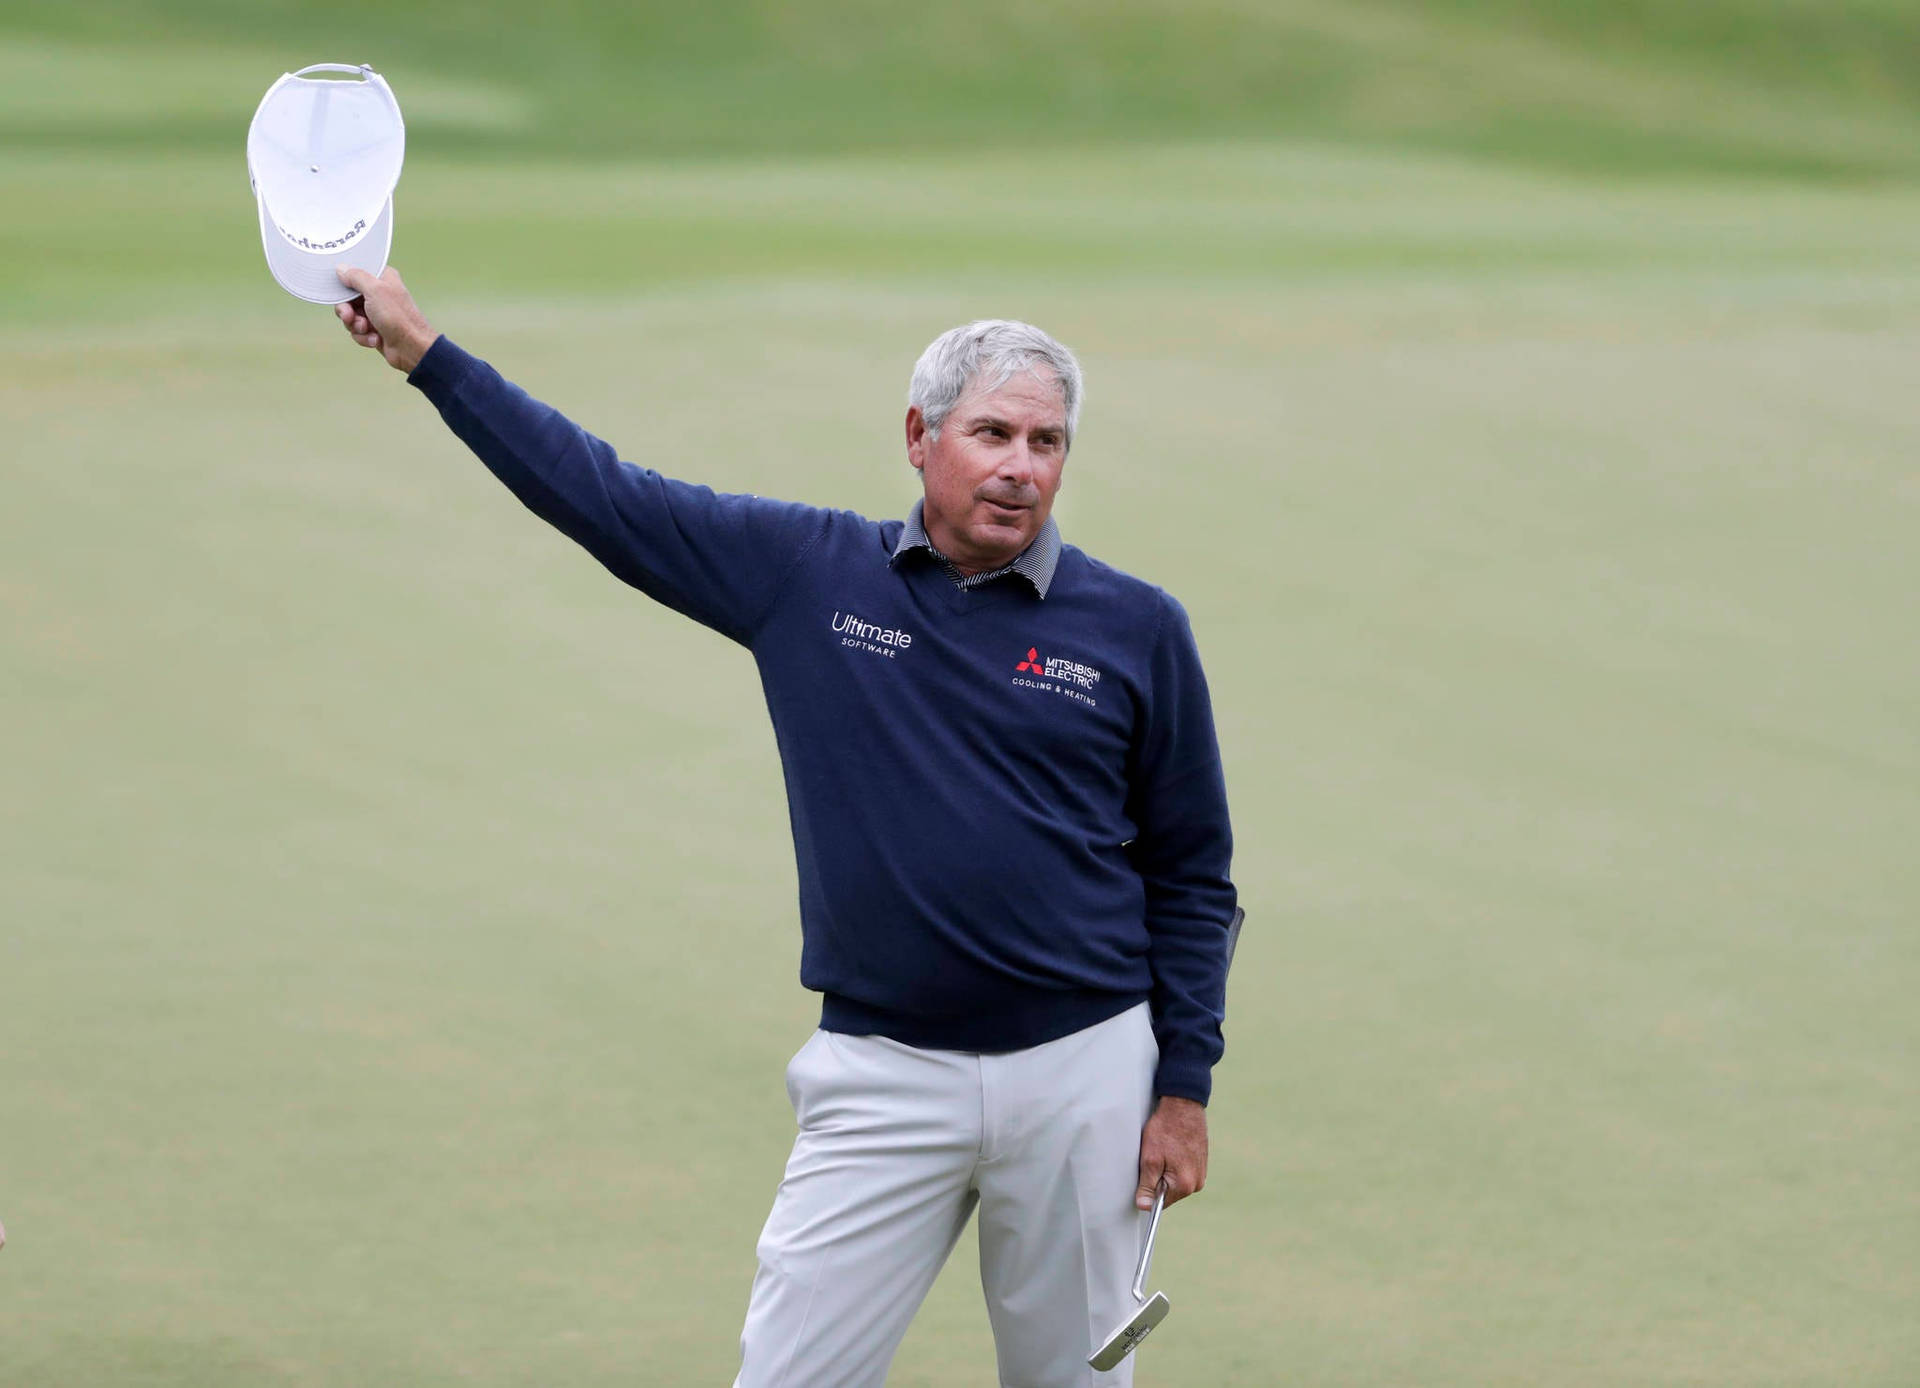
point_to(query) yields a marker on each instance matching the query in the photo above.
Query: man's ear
(918, 439)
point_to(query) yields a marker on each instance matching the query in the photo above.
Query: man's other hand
(1173, 1145)
(384, 317)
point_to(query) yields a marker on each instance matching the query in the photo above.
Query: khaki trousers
(897, 1147)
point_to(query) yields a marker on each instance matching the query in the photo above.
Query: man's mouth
(1006, 508)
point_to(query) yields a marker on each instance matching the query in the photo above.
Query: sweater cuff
(1179, 1078)
(439, 373)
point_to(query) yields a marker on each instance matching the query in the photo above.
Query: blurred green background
(396, 918)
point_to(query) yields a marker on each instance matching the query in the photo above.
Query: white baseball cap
(323, 157)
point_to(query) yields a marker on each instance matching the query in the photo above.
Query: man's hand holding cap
(384, 317)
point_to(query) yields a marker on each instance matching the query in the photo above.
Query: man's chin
(1009, 534)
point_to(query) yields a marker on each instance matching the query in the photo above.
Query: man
(1011, 831)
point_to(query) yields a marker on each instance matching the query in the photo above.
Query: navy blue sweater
(1008, 811)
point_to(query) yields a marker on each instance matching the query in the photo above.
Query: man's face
(991, 476)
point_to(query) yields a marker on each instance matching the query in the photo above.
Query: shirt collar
(1035, 563)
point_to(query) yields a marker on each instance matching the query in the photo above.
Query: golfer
(1011, 832)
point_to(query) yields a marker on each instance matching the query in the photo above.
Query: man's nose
(1016, 461)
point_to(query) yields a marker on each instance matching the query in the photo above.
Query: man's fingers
(382, 316)
(1152, 1172)
(1182, 1179)
(1188, 1178)
(359, 327)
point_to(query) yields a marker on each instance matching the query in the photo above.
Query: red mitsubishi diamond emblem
(1032, 662)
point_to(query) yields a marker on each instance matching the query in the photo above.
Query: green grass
(1779, 87)
(396, 919)
(400, 945)
(1213, 215)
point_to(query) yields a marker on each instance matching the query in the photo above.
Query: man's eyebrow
(983, 420)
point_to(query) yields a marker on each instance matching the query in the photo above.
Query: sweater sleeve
(716, 558)
(1183, 850)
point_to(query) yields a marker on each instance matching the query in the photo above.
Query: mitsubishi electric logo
(1057, 676)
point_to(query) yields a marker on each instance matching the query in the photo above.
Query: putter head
(1121, 1343)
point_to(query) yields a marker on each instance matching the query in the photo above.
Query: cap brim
(310, 275)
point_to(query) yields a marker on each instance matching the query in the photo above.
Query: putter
(1152, 1309)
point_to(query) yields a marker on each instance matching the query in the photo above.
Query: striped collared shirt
(1035, 563)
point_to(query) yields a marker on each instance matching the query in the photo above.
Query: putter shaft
(1146, 1252)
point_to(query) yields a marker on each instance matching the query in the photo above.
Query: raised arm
(719, 559)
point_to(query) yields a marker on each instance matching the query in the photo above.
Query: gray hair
(989, 352)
